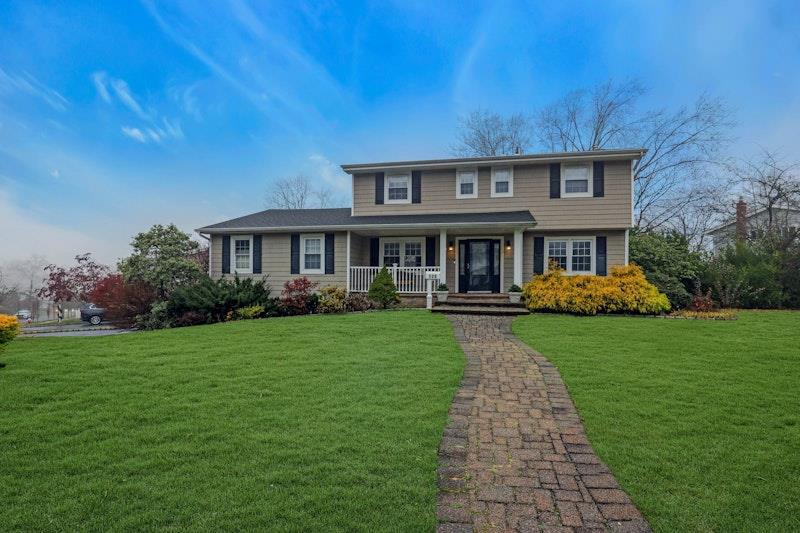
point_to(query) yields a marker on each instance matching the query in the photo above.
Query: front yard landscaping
(699, 420)
(304, 423)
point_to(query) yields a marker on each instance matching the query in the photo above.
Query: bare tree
(483, 133)
(683, 147)
(299, 193)
(771, 184)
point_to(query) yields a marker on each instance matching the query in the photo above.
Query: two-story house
(481, 223)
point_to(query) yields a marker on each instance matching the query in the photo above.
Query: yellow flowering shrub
(9, 328)
(624, 290)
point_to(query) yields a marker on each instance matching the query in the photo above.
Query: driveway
(84, 329)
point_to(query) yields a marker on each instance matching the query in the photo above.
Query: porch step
(480, 309)
(485, 300)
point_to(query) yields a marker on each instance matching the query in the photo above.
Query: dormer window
(397, 188)
(576, 180)
(467, 184)
(502, 182)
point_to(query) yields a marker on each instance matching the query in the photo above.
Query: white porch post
(348, 261)
(518, 257)
(443, 256)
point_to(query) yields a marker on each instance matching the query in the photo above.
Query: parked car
(92, 314)
(23, 314)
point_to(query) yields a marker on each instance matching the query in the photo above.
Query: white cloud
(134, 133)
(10, 83)
(55, 173)
(24, 235)
(330, 173)
(100, 80)
(125, 96)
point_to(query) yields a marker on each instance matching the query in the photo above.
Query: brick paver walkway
(514, 456)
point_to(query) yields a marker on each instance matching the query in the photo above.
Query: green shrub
(383, 289)
(156, 318)
(667, 263)
(217, 299)
(745, 275)
(514, 288)
(358, 301)
(626, 290)
(442, 288)
(331, 299)
(9, 328)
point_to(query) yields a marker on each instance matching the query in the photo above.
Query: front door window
(479, 265)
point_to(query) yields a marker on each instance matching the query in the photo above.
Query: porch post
(443, 256)
(518, 257)
(347, 289)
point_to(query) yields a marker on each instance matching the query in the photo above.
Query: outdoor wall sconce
(450, 246)
(508, 245)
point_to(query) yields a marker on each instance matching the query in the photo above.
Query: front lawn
(308, 423)
(699, 420)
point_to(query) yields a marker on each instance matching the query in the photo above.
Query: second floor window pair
(502, 183)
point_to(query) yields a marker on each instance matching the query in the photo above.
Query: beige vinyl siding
(531, 191)
(276, 261)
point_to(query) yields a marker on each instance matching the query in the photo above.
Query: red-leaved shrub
(122, 300)
(297, 296)
(702, 302)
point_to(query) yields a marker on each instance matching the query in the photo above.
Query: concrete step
(479, 310)
(487, 302)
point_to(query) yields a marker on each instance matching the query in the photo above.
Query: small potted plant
(441, 292)
(514, 294)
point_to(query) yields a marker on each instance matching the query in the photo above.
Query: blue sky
(115, 116)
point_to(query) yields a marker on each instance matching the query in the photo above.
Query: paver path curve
(514, 456)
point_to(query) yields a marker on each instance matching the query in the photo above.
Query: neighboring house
(482, 224)
(782, 221)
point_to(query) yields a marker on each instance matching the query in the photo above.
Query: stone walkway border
(514, 456)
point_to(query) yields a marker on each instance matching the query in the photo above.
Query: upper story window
(397, 189)
(466, 184)
(502, 182)
(573, 255)
(312, 248)
(576, 180)
(242, 254)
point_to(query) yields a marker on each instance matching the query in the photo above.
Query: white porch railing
(407, 279)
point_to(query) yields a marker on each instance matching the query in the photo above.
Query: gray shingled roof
(273, 219)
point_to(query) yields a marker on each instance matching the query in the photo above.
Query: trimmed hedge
(625, 290)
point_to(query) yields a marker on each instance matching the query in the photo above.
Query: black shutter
(256, 254)
(226, 254)
(416, 186)
(329, 247)
(379, 187)
(430, 251)
(601, 261)
(555, 180)
(598, 181)
(374, 245)
(538, 255)
(295, 254)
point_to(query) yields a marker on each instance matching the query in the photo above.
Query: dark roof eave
(345, 227)
(626, 153)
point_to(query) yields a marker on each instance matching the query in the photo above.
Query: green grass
(699, 420)
(306, 423)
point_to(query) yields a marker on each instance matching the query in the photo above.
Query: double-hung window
(242, 254)
(576, 180)
(397, 188)
(403, 252)
(312, 249)
(502, 182)
(467, 184)
(574, 255)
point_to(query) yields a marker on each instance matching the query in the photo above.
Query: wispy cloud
(100, 80)
(330, 173)
(27, 84)
(125, 96)
(134, 133)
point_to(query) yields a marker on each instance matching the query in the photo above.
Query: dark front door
(479, 265)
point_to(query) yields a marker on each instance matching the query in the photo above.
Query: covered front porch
(468, 259)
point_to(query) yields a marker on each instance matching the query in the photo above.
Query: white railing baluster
(409, 280)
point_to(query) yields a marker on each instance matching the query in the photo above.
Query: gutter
(406, 225)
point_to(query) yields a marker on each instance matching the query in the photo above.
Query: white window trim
(407, 176)
(510, 192)
(474, 172)
(569, 240)
(589, 186)
(402, 241)
(235, 238)
(303, 238)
